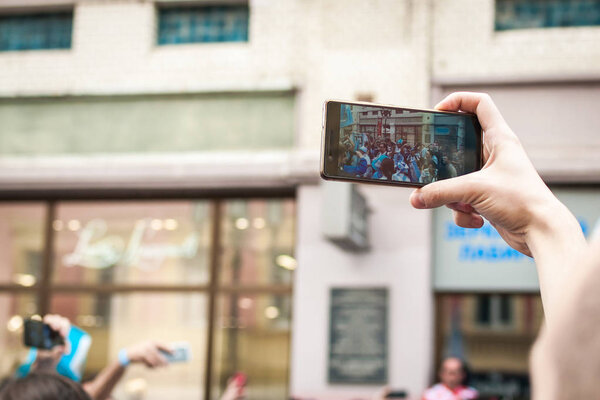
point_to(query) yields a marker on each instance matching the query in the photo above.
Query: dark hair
(387, 168)
(43, 386)
(464, 366)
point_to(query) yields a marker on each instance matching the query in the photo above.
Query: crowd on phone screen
(400, 161)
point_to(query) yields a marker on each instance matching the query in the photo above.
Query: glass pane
(121, 320)
(497, 352)
(258, 242)
(21, 242)
(132, 242)
(203, 24)
(252, 336)
(13, 309)
(36, 31)
(522, 14)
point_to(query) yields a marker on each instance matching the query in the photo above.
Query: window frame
(51, 10)
(499, 27)
(199, 4)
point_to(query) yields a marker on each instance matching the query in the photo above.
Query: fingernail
(417, 200)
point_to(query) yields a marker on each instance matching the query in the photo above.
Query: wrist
(123, 358)
(552, 228)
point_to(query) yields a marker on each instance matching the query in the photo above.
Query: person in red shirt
(452, 375)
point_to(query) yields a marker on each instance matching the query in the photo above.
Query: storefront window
(21, 243)
(132, 243)
(215, 274)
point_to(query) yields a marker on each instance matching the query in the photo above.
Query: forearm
(102, 386)
(555, 241)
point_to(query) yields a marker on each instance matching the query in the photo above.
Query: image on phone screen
(398, 145)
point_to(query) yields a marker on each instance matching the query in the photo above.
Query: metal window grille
(207, 24)
(36, 31)
(523, 14)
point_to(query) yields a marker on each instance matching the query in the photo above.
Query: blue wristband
(123, 359)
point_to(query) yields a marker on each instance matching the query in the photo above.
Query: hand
(508, 191)
(234, 390)
(48, 359)
(381, 393)
(149, 353)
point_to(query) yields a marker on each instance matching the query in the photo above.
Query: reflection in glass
(14, 308)
(252, 336)
(494, 334)
(21, 242)
(132, 242)
(258, 242)
(121, 320)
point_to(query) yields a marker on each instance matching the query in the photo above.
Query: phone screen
(40, 335)
(394, 145)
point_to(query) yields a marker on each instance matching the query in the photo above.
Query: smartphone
(181, 353)
(40, 335)
(396, 394)
(372, 143)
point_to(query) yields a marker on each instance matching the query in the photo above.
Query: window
(216, 274)
(522, 14)
(494, 311)
(205, 24)
(36, 31)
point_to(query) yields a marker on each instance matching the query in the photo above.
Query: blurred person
(386, 170)
(398, 157)
(151, 354)
(452, 386)
(376, 163)
(413, 168)
(361, 166)
(402, 173)
(509, 193)
(429, 174)
(42, 386)
(68, 359)
(148, 353)
(446, 169)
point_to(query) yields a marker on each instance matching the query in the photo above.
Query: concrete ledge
(160, 171)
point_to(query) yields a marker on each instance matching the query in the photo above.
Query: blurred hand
(234, 390)
(48, 359)
(381, 393)
(149, 353)
(508, 191)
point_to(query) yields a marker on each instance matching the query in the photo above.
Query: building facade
(159, 179)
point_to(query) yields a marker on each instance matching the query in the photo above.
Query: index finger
(480, 104)
(58, 323)
(167, 348)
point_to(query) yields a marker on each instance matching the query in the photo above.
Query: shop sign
(97, 250)
(479, 259)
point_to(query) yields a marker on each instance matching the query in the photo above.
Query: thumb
(443, 192)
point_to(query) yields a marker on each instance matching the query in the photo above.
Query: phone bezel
(331, 122)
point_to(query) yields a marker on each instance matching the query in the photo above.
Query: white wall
(325, 49)
(465, 45)
(399, 259)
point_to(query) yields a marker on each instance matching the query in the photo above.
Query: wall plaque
(358, 335)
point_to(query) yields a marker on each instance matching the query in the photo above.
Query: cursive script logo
(97, 250)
